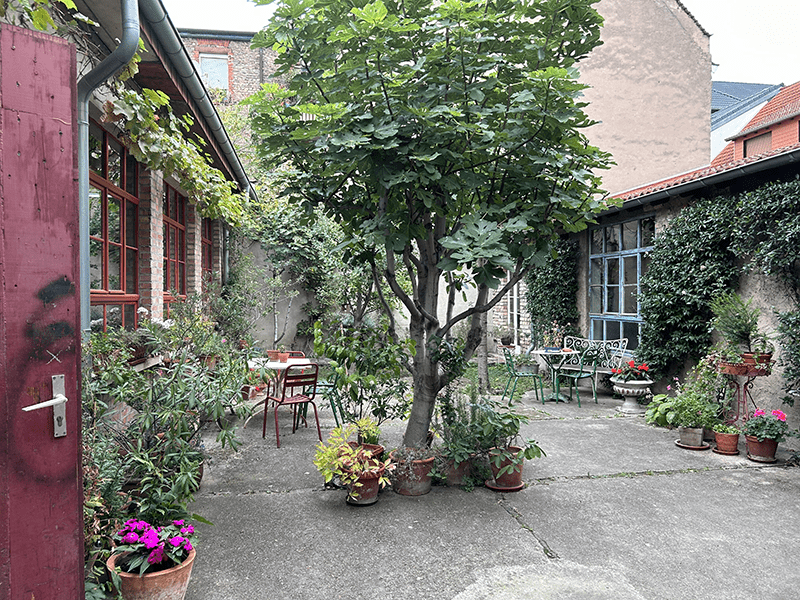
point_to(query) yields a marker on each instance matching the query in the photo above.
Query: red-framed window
(174, 247)
(206, 250)
(113, 232)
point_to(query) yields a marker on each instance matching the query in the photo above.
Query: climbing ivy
(691, 263)
(553, 289)
(768, 231)
(159, 138)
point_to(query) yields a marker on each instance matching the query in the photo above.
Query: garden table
(554, 359)
(278, 370)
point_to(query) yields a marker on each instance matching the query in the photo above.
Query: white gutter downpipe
(110, 65)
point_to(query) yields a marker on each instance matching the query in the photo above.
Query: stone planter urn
(632, 390)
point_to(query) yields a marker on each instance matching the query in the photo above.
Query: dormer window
(758, 145)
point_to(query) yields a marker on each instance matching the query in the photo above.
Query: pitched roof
(686, 10)
(730, 99)
(785, 105)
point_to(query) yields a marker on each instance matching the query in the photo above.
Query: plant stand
(632, 391)
(740, 379)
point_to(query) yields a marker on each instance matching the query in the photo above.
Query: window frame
(125, 190)
(607, 323)
(174, 222)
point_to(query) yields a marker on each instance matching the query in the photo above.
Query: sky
(752, 41)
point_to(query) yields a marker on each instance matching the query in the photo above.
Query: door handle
(59, 404)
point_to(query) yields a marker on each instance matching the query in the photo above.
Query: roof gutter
(153, 12)
(110, 65)
(765, 164)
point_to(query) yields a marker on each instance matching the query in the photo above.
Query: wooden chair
(296, 388)
(515, 375)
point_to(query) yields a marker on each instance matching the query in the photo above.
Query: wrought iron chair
(590, 358)
(514, 375)
(297, 388)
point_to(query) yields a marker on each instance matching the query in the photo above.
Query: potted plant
(369, 434)
(763, 432)
(727, 439)
(526, 363)
(631, 382)
(353, 465)
(689, 411)
(504, 335)
(736, 320)
(553, 338)
(152, 562)
(411, 470)
(457, 426)
(499, 427)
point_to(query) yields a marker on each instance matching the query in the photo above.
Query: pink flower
(669, 387)
(779, 415)
(156, 556)
(759, 413)
(149, 538)
(130, 538)
(178, 523)
(176, 541)
(187, 546)
(189, 529)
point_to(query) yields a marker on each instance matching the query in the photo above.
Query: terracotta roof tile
(701, 173)
(784, 105)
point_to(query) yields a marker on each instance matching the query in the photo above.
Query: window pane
(129, 316)
(113, 316)
(96, 318)
(597, 330)
(173, 205)
(629, 306)
(131, 176)
(596, 299)
(131, 224)
(214, 71)
(597, 242)
(114, 268)
(612, 330)
(630, 275)
(95, 212)
(648, 231)
(173, 254)
(629, 241)
(182, 278)
(181, 210)
(131, 271)
(114, 162)
(613, 271)
(612, 300)
(631, 331)
(612, 238)
(181, 245)
(166, 275)
(596, 272)
(96, 264)
(114, 226)
(96, 149)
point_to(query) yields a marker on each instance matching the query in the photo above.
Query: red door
(41, 523)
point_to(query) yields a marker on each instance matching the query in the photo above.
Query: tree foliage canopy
(448, 133)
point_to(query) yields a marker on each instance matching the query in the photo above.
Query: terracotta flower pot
(412, 478)
(507, 482)
(375, 450)
(367, 492)
(169, 584)
(727, 443)
(761, 451)
(457, 473)
(283, 357)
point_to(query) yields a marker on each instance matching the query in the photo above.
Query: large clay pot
(761, 451)
(412, 478)
(456, 473)
(507, 482)
(169, 584)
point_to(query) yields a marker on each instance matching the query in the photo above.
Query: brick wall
(151, 242)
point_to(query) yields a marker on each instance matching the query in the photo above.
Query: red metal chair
(297, 387)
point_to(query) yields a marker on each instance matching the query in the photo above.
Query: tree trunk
(484, 385)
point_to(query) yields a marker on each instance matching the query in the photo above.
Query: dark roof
(686, 10)
(731, 99)
(233, 36)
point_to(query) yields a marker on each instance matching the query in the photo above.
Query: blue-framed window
(618, 256)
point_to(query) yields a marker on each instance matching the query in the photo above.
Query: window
(758, 145)
(214, 70)
(618, 256)
(206, 249)
(174, 247)
(113, 232)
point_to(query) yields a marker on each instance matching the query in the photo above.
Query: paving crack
(517, 516)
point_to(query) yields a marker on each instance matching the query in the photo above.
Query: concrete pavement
(615, 510)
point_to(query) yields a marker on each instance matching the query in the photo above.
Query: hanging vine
(158, 138)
